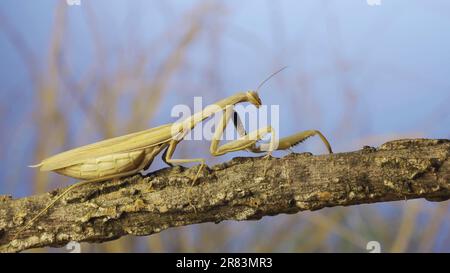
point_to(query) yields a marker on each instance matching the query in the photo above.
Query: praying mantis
(129, 154)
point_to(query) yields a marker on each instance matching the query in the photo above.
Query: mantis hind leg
(79, 184)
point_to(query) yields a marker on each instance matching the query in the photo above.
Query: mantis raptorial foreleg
(246, 141)
(243, 142)
(236, 145)
(285, 142)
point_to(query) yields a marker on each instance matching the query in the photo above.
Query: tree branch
(236, 190)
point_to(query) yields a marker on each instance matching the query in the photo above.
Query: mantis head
(253, 98)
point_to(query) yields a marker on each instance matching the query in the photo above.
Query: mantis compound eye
(253, 98)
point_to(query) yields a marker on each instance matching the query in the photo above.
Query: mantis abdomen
(107, 165)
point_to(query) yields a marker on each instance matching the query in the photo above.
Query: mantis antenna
(270, 76)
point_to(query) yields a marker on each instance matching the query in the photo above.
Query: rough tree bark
(236, 190)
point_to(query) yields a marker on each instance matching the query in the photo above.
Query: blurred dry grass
(96, 97)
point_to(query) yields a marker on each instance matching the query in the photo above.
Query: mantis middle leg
(169, 160)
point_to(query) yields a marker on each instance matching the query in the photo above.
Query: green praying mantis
(129, 154)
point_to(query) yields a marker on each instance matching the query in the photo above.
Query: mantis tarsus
(126, 155)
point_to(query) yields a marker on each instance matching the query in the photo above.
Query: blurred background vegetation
(362, 74)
